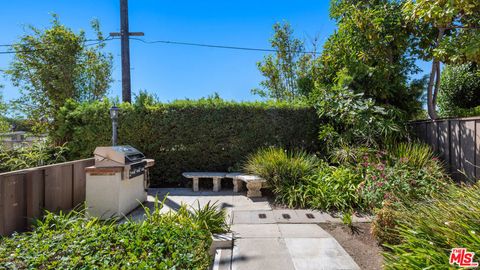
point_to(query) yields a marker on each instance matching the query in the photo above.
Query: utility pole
(124, 37)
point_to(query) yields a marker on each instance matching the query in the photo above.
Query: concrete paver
(256, 231)
(302, 231)
(319, 253)
(261, 254)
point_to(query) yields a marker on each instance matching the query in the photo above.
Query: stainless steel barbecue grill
(121, 156)
(117, 182)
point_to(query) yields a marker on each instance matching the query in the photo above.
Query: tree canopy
(55, 64)
(288, 71)
(373, 47)
(446, 31)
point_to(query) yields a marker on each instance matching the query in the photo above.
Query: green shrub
(38, 154)
(429, 230)
(73, 241)
(202, 135)
(384, 224)
(210, 218)
(333, 188)
(460, 90)
(280, 167)
(417, 155)
(398, 180)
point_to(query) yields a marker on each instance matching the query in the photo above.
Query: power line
(179, 43)
(98, 41)
(217, 46)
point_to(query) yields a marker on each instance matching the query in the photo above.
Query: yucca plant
(429, 230)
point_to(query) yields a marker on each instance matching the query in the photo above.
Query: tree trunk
(434, 82)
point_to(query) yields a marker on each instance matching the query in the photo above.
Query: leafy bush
(384, 224)
(396, 179)
(429, 230)
(280, 167)
(333, 188)
(460, 89)
(417, 155)
(203, 135)
(299, 179)
(351, 119)
(73, 241)
(210, 218)
(38, 154)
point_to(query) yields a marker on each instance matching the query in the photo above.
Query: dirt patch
(361, 245)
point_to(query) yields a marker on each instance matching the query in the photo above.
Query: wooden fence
(24, 194)
(457, 141)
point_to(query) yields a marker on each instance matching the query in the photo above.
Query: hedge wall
(202, 135)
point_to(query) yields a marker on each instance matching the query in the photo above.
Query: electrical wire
(216, 46)
(98, 41)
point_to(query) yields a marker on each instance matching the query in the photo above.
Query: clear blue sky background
(174, 71)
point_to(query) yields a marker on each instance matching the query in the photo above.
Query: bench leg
(217, 184)
(254, 189)
(195, 184)
(237, 185)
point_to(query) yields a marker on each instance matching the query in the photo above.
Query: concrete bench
(254, 183)
(216, 176)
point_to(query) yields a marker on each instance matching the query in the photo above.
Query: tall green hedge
(202, 135)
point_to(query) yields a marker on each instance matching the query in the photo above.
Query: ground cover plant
(38, 154)
(73, 241)
(428, 231)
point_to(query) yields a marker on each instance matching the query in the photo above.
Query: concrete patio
(264, 238)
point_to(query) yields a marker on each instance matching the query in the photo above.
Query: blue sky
(174, 71)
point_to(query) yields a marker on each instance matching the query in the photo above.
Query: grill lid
(122, 155)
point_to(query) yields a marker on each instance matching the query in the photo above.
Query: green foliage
(73, 241)
(301, 180)
(38, 154)
(4, 125)
(280, 167)
(459, 44)
(203, 135)
(210, 218)
(288, 72)
(56, 64)
(384, 224)
(397, 179)
(417, 155)
(373, 47)
(351, 119)
(460, 89)
(334, 188)
(428, 231)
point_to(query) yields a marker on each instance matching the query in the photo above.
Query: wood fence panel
(444, 142)
(24, 194)
(455, 149)
(431, 135)
(422, 131)
(457, 143)
(35, 193)
(79, 181)
(59, 188)
(468, 148)
(13, 201)
(477, 149)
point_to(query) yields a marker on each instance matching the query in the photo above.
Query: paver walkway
(265, 239)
